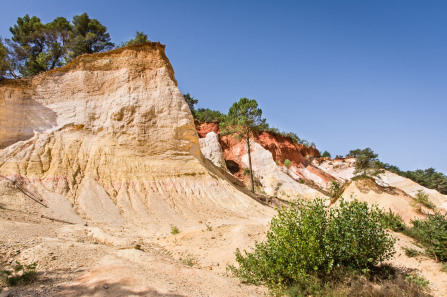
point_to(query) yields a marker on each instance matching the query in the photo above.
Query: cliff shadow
(21, 119)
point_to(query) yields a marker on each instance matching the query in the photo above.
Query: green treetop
(4, 63)
(367, 163)
(35, 47)
(27, 45)
(191, 101)
(88, 36)
(140, 37)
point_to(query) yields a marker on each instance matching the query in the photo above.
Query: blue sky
(343, 74)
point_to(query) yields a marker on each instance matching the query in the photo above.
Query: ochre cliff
(111, 134)
(269, 165)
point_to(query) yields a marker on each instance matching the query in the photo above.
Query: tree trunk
(249, 164)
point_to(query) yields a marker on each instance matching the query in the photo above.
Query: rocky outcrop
(275, 180)
(211, 149)
(111, 134)
(343, 170)
(269, 153)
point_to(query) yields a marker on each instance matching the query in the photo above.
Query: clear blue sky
(344, 74)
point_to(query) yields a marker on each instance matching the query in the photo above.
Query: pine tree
(244, 120)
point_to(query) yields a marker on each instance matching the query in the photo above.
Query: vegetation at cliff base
(432, 233)
(423, 198)
(393, 221)
(287, 164)
(20, 274)
(309, 240)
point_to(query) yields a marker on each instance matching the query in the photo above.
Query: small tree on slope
(367, 164)
(244, 120)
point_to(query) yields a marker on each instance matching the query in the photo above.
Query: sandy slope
(422, 265)
(77, 260)
(384, 197)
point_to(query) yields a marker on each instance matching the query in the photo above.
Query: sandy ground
(94, 259)
(422, 265)
(77, 260)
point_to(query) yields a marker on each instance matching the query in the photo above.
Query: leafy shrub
(423, 198)
(410, 252)
(188, 260)
(393, 221)
(310, 239)
(287, 163)
(444, 268)
(417, 279)
(334, 189)
(246, 171)
(432, 233)
(21, 274)
(384, 281)
(174, 230)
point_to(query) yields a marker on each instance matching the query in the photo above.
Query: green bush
(174, 230)
(287, 163)
(410, 252)
(444, 268)
(310, 239)
(423, 198)
(334, 189)
(21, 274)
(393, 221)
(382, 281)
(432, 233)
(417, 279)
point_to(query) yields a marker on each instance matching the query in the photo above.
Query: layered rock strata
(111, 135)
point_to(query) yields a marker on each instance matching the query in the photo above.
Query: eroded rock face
(112, 133)
(344, 169)
(269, 152)
(276, 181)
(211, 149)
(128, 94)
